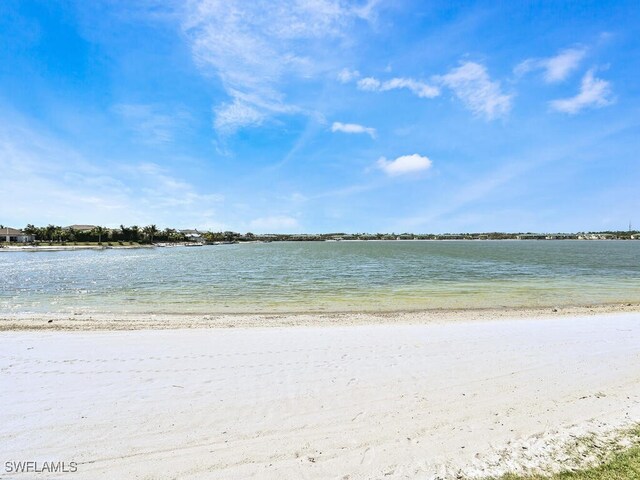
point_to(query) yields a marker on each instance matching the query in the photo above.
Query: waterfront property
(12, 235)
(193, 235)
(80, 228)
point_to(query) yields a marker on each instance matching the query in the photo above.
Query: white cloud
(404, 164)
(353, 128)
(162, 189)
(369, 84)
(471, 83)
(560, 66)
(555, 68)
(274, 224)
(150, 123)
(64, 187)
(594, 93)
(421, 89)
(229, 116)
(345, 75)
(254, 47)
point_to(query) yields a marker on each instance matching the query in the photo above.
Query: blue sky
(321, 115)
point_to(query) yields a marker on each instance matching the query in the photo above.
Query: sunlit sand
(377, 401)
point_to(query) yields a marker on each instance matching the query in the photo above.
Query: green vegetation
(56, 235)
(625, 466)
(150, 231)
(83, 234)
(622, 464)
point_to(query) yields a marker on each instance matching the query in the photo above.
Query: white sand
(383, 401)
(81, 320)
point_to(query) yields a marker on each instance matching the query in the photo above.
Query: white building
(193, 235)
(11, 235)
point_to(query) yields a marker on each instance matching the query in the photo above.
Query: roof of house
(80, 228)
(190, 232)
(10, 231)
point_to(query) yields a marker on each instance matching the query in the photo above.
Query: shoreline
(106, 321)
(64, 248)
(55, 248)
(444, 400)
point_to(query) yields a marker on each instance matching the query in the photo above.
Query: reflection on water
(317, 276)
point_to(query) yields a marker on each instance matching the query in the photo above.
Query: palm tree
(99, 231)
(30, 229)
(50, 231)
(150, 231)
(125, 232)
(71, 234)
(135, 233)
(59, 232)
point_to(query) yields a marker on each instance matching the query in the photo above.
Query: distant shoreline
(62, 248)
(59, 248)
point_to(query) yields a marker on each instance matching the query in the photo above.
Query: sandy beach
(435, 400)
(90, 321)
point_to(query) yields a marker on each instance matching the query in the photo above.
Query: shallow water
(323, 276)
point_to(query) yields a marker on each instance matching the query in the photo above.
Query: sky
(321, 115)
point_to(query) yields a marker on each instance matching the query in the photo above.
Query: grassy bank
(621, 464)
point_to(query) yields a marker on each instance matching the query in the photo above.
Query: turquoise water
(323, 276)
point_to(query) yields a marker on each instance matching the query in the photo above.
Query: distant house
(11, 235)
(80, 228)
(192, 235)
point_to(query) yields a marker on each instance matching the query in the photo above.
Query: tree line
(134, 233)
(151, 234)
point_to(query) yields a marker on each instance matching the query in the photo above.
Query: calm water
(323, 277)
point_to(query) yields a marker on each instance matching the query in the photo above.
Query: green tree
(98, 232)
(49, 232)
(214, 236)
(59, 233)
(135, 233)
(126, 233)
(150, 231)
(29, 229)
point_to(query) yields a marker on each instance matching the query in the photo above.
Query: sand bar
(378, 401)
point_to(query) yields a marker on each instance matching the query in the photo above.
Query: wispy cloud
(345, 75)
(471, 83)
(347, 190)
(230, 116)
(253, 46)
(404, 165)
(162, 189)
(556, 68)
(150, 123)
(594, 93)
(418, 88)
(274, 223)
(511, 170)
(65, 187)
(353, 128)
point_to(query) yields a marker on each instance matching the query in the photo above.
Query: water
(317, 276)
